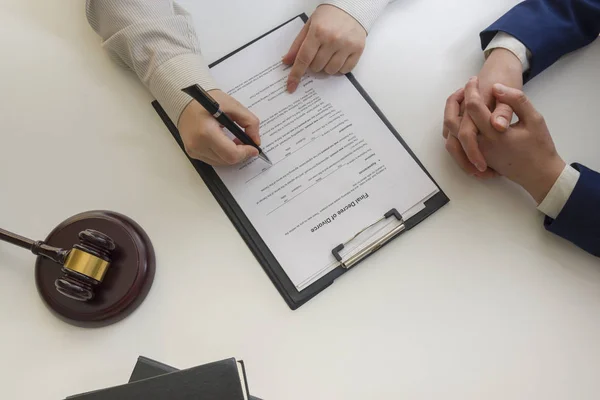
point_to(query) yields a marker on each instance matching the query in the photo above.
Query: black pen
(205, 99)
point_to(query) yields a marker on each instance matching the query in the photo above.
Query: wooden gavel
(83, 267)
(94, 269)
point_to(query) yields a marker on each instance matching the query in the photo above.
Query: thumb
(501, 117)
(249, 151)
(517, 100)
(290, 57)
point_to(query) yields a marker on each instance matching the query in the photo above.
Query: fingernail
(499, 88)
(292, 86)
(472, 79)
(480, 167)
(502, 122)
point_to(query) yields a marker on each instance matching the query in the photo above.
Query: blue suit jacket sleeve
(549, 29)
(579, 220)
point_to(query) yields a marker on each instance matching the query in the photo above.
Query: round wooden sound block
(127, 280)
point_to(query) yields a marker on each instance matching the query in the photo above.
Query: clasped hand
(524, 152)
(460, 131)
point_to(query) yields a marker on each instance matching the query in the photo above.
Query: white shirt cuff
(179, 72)
(365, 12)
(505, 41)
(559, 194)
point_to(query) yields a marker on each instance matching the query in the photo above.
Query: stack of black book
(151, 380)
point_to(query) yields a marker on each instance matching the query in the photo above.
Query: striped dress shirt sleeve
(156, 39)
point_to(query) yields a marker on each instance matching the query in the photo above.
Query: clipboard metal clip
(356, 257)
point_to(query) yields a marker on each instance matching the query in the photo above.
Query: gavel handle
(15, 239)
(36, 247)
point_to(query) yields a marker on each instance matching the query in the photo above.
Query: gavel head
(85, 265)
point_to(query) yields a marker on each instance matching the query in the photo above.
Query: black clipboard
(282, 282)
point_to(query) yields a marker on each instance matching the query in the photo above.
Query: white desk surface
(478, 302)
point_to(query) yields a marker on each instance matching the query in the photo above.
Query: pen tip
(264, 157)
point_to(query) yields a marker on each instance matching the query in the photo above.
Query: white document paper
(337, 167)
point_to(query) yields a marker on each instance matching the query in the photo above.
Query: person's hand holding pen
(331, 41)
(204, 138)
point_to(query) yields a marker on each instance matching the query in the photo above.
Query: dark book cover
(147, 368)
(219, 380)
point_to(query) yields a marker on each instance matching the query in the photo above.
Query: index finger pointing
(306, 54)
(293, 51)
